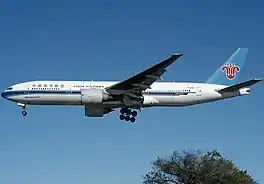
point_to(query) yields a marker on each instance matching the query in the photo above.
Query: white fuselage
(160, 94)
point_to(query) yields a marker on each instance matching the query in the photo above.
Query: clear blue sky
(103, 40)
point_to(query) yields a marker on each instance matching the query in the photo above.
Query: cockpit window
(10, 88)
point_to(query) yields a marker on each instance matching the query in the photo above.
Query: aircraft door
(26, 91)
(66, 98)
(198, 91)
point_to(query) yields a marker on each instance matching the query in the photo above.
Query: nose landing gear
(23, 106)
(24, 113)
(128, 115)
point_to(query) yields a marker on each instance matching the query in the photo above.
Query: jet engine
(94, 111)
(94, 96)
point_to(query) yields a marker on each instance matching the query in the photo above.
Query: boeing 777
(141, 90)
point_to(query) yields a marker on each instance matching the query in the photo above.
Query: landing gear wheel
(127, 118)
(24, 113)
(122, 111)
(128, 111)
(121, 117)
(132, 119)
(134, 113)
(128, 115)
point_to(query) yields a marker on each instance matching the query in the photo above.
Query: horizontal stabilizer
(238, 86)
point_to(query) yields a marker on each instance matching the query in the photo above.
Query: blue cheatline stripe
(20, 92)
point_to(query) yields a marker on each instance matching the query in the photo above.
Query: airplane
(142, 90)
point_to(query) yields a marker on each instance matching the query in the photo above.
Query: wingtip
(177, 55)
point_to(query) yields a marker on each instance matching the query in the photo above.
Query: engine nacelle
(94, 96)
(94, 111)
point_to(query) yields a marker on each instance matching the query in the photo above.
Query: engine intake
(94, 96)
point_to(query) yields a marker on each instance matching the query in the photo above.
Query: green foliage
(196, 168)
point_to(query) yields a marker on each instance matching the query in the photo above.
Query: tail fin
(228, 74)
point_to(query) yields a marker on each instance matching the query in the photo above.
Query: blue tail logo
(228, 73)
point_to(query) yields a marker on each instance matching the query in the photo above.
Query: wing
(134, 85)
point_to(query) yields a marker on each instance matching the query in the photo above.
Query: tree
(188, 167)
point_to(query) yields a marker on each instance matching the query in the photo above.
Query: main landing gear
(128, 115)
(23, 107)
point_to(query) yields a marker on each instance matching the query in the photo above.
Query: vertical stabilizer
(228, 73)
